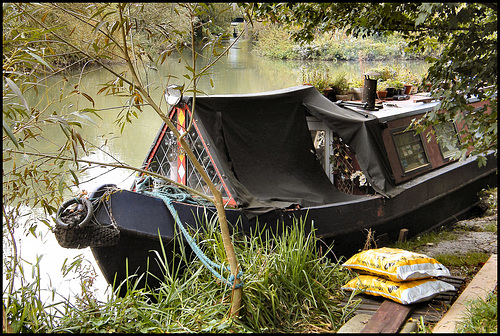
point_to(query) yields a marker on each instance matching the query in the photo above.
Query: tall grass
(289, 286)
(481, 316)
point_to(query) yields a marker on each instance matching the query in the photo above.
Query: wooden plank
(403, 234)
(423, 100)
(389, 318)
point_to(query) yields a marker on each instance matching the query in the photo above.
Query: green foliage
(319, 79)
(340, 84)
(481, 316)
(393, 83)
(290, 285)
(276, 41)
(467, 58)
(33, 35)
(293, 287)
(216, 17)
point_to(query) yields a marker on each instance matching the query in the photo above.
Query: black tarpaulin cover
(263, 146)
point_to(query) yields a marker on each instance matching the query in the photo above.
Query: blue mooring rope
(166, 193)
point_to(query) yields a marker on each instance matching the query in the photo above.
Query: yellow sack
(396, 264)
(407, 292)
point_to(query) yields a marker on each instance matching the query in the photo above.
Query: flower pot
(357, 93)
(408, 88)
(346, 97)
(382, 94)
(390, 91)
(330, 94)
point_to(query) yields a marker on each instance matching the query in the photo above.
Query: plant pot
(330, 94)
(382, 94)
(390, 91)
(346, 97)
(357, 93)
(408, 88)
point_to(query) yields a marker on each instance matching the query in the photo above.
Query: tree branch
(114, 165)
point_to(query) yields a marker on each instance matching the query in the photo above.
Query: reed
(481, 316)
(290, 285)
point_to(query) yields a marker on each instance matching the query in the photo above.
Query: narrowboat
(343, 167)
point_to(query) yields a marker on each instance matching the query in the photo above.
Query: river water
(240, 71)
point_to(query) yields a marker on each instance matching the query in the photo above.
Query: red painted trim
(181, 159)
(157, 145)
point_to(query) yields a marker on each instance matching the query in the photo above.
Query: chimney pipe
(369, 91)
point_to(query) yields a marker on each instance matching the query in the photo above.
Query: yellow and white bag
(406, 292)
(396, 264)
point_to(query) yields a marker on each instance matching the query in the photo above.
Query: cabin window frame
(407, 172)
(449, 158)
(317, 125)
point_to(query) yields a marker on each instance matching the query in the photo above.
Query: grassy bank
(289, 286)
(275, 41)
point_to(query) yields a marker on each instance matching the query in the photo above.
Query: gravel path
(471, 238)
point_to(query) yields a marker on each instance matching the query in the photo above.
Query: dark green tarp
(263, 146)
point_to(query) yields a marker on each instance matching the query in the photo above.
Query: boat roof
(391, 112)
(263, 145)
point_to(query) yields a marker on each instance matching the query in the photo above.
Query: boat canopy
(262, 144)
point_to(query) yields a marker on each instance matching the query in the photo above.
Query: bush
(275, 42)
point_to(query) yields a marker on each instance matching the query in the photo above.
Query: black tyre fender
(100, 191)
(65, 205)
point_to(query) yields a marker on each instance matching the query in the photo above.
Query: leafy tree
(32, 32)
(468, 62)
(217, 17)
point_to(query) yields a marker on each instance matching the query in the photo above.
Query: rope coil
(167, 193)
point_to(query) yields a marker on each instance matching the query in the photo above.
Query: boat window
(164, 161)
(194, 179)
(410, 150)
(447, 138)
(169, 160)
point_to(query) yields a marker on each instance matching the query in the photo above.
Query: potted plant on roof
(320, 80)
(410, 81)
(357, 88)
(340, 87)
(393, 87)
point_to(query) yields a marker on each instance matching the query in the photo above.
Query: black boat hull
(427, 202)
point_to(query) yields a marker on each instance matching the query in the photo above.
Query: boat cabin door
(322, 139)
